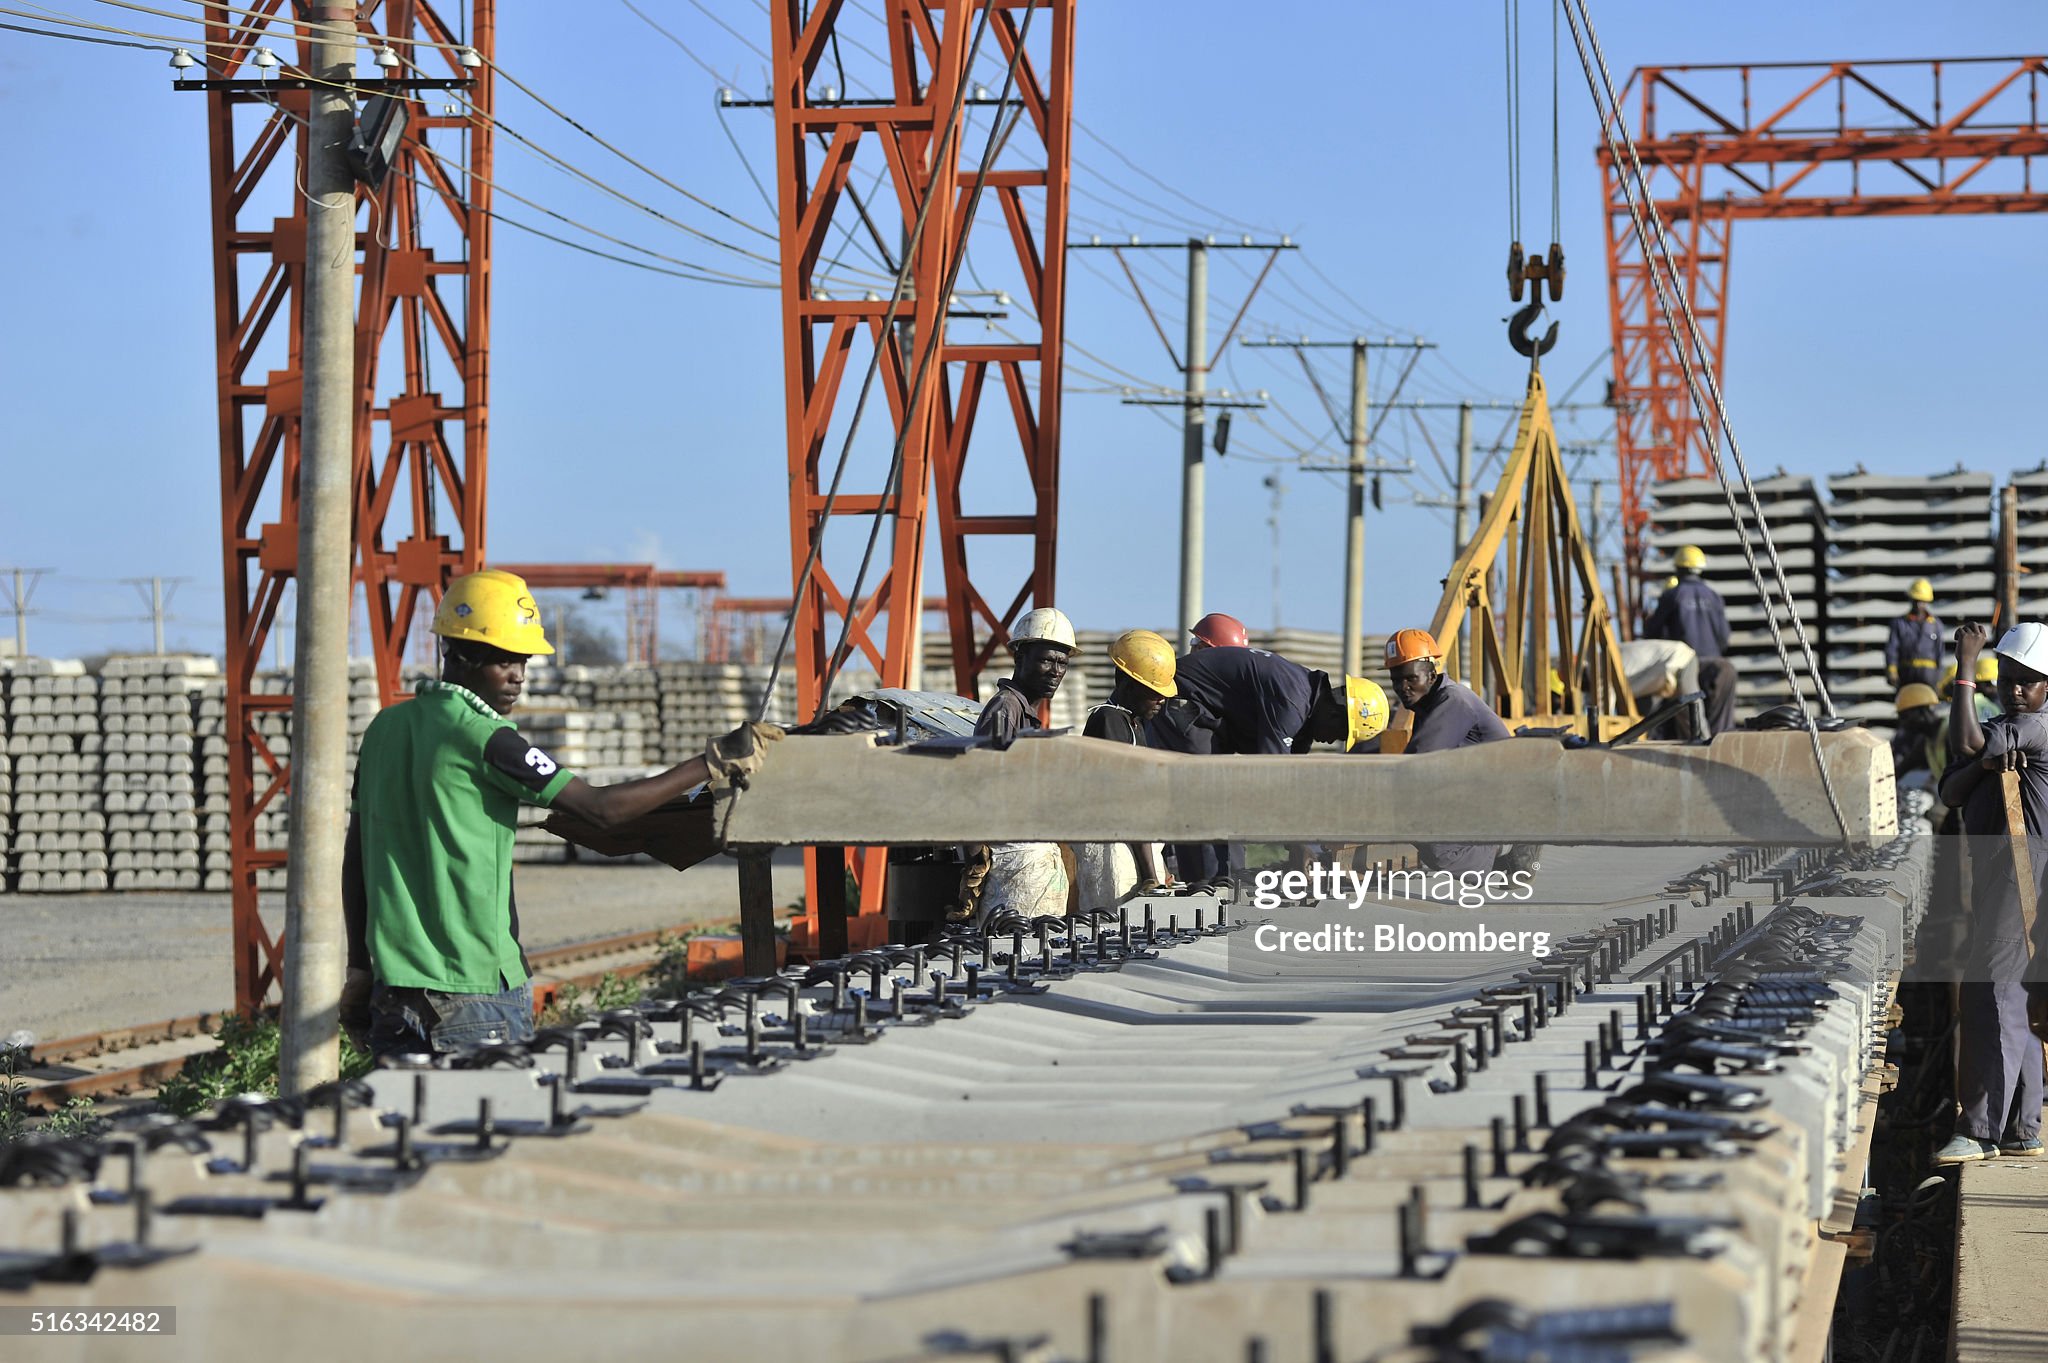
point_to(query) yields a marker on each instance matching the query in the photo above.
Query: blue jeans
(419, 1021)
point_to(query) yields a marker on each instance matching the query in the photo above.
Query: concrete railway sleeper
(1020, 1143)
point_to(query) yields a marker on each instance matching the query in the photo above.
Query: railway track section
(123, 1061)
(1121, 1138)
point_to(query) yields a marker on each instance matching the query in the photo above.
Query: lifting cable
(1701, 386)
(884, 335)
(998, 137)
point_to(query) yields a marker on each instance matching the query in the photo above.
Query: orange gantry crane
(1719, 144)
(946, 174)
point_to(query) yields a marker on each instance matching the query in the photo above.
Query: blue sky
(638, 416)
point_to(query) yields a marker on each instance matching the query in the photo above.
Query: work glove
(734, 757)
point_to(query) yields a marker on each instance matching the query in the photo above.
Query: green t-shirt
(437, 794)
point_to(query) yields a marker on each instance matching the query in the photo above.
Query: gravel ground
(72, 964)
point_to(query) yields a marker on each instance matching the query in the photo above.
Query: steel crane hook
(1518, 330)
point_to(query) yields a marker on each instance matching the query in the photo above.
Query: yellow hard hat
(492, 608)
(1365, 710)
(1670, 582)
(1147, 659)
(1556, 682)
(1987, 669)
(1913, 695)
(1691, 556)
(1921, 590)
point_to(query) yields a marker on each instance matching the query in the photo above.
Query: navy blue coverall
(1693, 614)
(1913, 650)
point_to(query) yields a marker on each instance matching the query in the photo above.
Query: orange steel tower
(1787, 140)
(422, 335)
(829, 336)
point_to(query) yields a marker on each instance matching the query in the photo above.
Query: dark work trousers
(1717, 679)
(1998, 1078)
(1181, 726)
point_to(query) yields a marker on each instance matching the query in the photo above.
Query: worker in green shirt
(433, 934)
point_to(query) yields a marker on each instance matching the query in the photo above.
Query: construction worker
(1693, 613)
(1217, 630)
(1448, 714)
(1108, 871)
(1912, 644)
(1999, 1072)
(1260, 702)
(1040, 648)
(1027, 878)
(1916, 743)
(433, 934)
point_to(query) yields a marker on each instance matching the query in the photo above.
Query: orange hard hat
(1408, 645)
(1220, 631)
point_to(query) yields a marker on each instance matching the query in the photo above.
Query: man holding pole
(1998, 777)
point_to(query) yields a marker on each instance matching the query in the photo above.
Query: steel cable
(1636, 190)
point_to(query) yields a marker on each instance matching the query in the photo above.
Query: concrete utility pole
(1279, 491)
(1194, 424)
(156, 594)
(1358, 435)
(313, 935)
(1194, 400)
(25, 580)
(1461, 521)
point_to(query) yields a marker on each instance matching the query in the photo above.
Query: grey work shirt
(1451, 716)
(1009, 712)
(1997, 946)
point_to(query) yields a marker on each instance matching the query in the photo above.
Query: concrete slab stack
(700, 699)
(1695, 511)
(58, 840)
(632, 694)
(148, 711)
(210, 784)
(6, 804)
(1885, 531)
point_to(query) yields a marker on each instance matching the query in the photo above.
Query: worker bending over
(1217, 630)
(1999, 1074)
(1029, 878)
(434, 961)
(1448, 714)
(1108, 871)
(1912, 643)
(1183, 726)
(1693, 613)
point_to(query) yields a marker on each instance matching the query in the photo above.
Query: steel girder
(422, 336)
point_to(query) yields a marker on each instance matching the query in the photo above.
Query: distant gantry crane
(1846, 139)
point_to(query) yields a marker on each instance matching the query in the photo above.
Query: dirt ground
(71, 964)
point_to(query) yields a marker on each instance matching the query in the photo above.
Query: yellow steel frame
(1529, 585)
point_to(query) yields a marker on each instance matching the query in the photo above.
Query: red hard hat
(1220, 631)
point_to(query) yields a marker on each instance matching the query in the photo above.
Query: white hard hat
(2026, 644)
(1045, 625)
